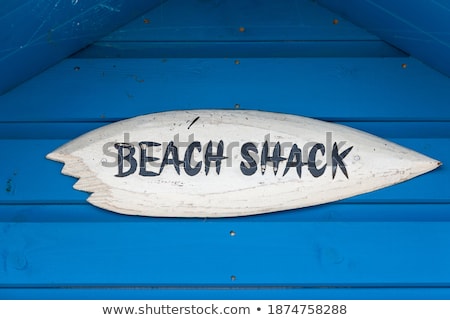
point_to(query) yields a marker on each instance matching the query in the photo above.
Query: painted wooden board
(69, 130)
(241, 49)
(338, 212)
(217, 163)
(201, 253)
(223, 20)
(226, 292)
(290, 28)
(340, 89)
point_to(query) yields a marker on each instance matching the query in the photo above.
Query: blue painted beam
(346, 212)
(36, 34)
(338, 89)
(218, 20)
(202, 253)
(71, 129)
(421, 27)
(288, 28)
(226, 292)
(243, 49)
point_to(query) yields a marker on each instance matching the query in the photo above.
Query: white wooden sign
(217, 163)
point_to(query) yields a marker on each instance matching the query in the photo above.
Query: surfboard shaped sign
(218, 163)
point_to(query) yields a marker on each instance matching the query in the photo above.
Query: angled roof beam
(36, 34)
(421, 28)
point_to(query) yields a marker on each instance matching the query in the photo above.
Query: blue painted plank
(243, 49)
(292, 28)
(196, 253)
(342, 89)
(36, 34)
(192, 20)
(232, 293)
(289, 28)
(421, 28)
(71, 130)
(29, 164)
(336, 212)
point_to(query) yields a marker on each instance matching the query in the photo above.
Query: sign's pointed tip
(428, 166)
(434, 164)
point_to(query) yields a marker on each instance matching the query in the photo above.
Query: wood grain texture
(325, 88)
(390, 243)
(203, 253)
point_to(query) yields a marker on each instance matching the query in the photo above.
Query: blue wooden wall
(285, 56)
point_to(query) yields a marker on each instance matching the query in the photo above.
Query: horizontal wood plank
(266, 20)
(375, 254)
(70, 130)
(334, 212)
(242, 49)
(227, 292)
(340, 89)
(293, 28)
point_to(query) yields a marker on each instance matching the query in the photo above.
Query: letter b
(129, 157)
